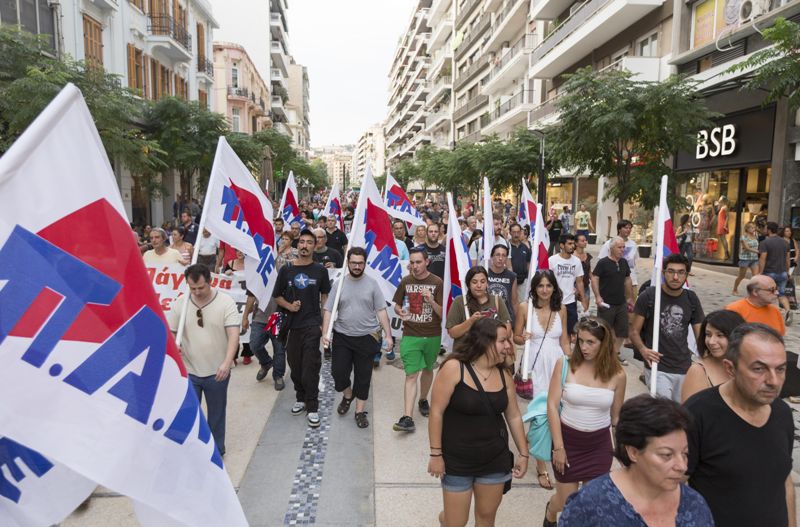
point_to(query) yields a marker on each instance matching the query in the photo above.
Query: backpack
(540, 440)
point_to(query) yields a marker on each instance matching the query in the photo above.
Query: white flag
(290, 208)
(399, 204)
(333, 208)
(488, 225)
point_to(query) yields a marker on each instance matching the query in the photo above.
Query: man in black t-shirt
(328, 257)
(336, 238)
(680, 309)
(190, 226)
(503, 282)
(611, 283)
(435, 251)
(740, 447)
(773, 260)
(300, 289)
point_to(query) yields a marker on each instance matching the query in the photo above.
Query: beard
(356, 273)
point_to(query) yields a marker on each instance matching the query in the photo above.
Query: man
(207, 250)
(418, 301)
(194, 208)
(773, 260)
(301, 289)
(279, 225)
(330, 258)
(402, 239)
(499, 239)
(258, 340)
(631, 253)
(583, 221)
(336, 238)
(472, 224)
(348, 219)
(569, 274)
(611, 284)
(740, 447)
(434, 250)
(190, 226)
(161, 253)
(502, 282)
(209, 344)
(566, 220)
(294, 230)
(520, 257)
(680, 309)
(758, 306)
(361, 314)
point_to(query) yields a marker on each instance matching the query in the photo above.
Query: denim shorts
(780, 281)
(747, 263)
(452, 483)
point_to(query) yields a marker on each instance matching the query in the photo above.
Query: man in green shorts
(418, 301)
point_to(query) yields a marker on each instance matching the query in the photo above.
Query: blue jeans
(780, 281)
(216, 401)
(258, 343)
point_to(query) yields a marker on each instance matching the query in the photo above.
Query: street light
(541, 187)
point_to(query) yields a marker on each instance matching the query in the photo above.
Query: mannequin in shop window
(722, 225)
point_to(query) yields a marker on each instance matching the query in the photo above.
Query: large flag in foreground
(333, 208)
(531, 215)
(238, 213)
(456, 265)
(372, 230)
(91, 381)
(399, 204)
(290, 208)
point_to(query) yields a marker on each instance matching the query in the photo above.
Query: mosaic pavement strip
(307, 481)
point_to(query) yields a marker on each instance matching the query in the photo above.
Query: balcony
(511, 65)
(276, 76)
(508, 115)
(434, 120)
(109, 5)
(466, 10)
(205, 67)
(441, 32)
(588, 27)
(544, 114)
(170, 37)
(282, 128)
(278, 24)
(439, 87)
(474, 137)
(475, 104)
(440, 57)
(438, 9)
(508, 22)
(278, 54)
(646, 69)
(276, 103)
(470, 73)
(238, 92)
(474, 35)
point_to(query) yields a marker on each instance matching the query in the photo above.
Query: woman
(787, 235)
(468, 436)
(582, 411)
(480, 305)
(712, 346)
(286, 253)
(549, 340)
(652, 447)
(235, 265)
(748, 255)
(581, 241)
(420, 235)
(180, 245)
(475, 246)
(685, 237)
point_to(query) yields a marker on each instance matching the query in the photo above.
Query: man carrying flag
(334, 221)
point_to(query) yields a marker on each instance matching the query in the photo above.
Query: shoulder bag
(525, 388)
(540, 440)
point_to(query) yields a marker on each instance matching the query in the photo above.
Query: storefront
(727, 181)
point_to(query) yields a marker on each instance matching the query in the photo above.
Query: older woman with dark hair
(652, 446)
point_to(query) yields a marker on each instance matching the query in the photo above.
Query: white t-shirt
(631, 255)
(206, 246)
(566, 271)
(169, 256)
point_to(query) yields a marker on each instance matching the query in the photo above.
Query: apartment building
(297, 109)
(338, 160)
(370, 150)
(240, 94)
(279, 61)
(408, 86)
(439, 103)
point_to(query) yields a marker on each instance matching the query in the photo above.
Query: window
(235, 76)
(138, 3)
(201, 43)
(648, 46)
(92, 41)
(165, 76)
(135, 68)
(236, 119)
(34, 16)
(202, 98)
(181, 87)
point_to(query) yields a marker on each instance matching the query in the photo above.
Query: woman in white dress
(549, 340)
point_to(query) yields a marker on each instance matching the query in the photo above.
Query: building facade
(298, 110)
(370, 150)
(240, 94)
(338, 161)
(279, 60)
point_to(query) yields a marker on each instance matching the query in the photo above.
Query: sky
(347, 46)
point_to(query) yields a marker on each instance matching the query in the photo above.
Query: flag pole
(488, 223)
(657, 283)
(537, 238)
(451, 208)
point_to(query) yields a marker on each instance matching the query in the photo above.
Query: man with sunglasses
(680, 308)
(209, 344)
(759, 305)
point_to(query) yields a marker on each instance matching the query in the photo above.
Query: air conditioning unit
(749, 10)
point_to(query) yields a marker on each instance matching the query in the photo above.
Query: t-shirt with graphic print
(502, 284)
(423, 322)
(304, 283)
(567, 270)
(677, 314)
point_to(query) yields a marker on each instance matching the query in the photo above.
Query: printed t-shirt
(424, 322)
(435, 259)
(582, 220)
(566, 271)
(304, 283)
(501, 284)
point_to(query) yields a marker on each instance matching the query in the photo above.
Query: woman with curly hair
(479, 302)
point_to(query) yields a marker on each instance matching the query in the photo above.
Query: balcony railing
(470, 106)
(566, 28)
(518, 99)
(469, 6)
(474, 137)
(238, 92)
(545, 109)
(476, 33)
(525, 42)
(504, 13)
(436, 117)
(205, 66)
(438, 84)
(167, 26)
(470, 73)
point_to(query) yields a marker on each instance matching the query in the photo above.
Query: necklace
(485, 378)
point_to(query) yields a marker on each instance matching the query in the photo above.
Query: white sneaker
(313, 419)
(298, 408)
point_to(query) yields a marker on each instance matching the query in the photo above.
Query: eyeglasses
(676, 272)
(200, 318)
(357, 264)
(768, 289)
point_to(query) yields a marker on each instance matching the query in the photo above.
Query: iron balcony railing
(205, 66)
(467, 75)
(238, 92)
(167, 26)
(463, 13)
(525, 42)
(519, 98)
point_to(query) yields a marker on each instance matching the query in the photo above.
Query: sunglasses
(200, 318)
(770, 289)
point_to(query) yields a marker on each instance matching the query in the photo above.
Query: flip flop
(549, 485)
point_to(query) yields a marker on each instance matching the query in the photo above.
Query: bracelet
(435, 455)
(557, 449)
(523, 455)
(436, 448)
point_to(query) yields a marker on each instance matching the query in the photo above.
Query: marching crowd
(714, 447)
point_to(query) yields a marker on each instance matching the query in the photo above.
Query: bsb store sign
(719, 141)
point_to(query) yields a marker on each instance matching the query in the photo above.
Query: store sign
(720, 141)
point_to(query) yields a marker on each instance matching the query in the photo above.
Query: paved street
(287, 474)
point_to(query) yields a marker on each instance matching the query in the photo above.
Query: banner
(456, 265)
(333, 208)
(90, 377)
(290, 208)
(399, 204)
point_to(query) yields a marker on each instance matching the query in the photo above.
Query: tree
(613, 126)
(777, 67)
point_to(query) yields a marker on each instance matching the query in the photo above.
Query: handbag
(540, 440)
(524, 389)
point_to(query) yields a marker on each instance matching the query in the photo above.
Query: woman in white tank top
(582, 410)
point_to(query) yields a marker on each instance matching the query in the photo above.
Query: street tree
(626, 130)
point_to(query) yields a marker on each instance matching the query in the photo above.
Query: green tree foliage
(777, 68)
(611, 125)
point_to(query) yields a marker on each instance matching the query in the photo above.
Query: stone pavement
(337, 475)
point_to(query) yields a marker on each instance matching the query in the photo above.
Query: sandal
(361, 419)
(344, 406)
(549, 485)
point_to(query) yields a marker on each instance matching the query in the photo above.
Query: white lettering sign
(721, 139)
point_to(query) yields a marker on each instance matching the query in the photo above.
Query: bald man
(330, 258)
(759, 305)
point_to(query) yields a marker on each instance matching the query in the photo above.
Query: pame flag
(399, 204)
(372, 230)
(530, 214)
(90, 377)
(333, 208)
(290, 208)
(456, 265)
(238, 213)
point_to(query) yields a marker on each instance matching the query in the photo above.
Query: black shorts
(617, 318)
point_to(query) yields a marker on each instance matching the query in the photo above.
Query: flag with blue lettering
(238, 213)
(333, 208)
(290, 208)
(91, 380)
(399, 204)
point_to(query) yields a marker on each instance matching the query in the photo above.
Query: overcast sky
(347, 45)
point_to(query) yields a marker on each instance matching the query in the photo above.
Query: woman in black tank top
(468, 435)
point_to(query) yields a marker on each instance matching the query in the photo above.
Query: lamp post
(541, 186)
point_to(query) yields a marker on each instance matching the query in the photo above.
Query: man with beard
(568, 269)
(301, 289)
(435, 251)
(680, 308)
